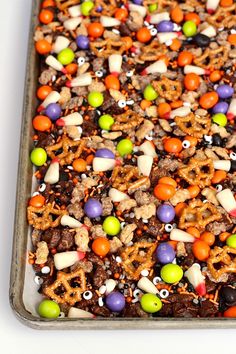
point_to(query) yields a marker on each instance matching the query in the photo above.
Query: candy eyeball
(129, 73)
(153, 31)
(186, 144)
(219, 187)
(99, 73)
(81, 61)
(121, 103)
(208, 139)
(42, 187)
(168, 227)
(61, 315)
(38, 280)
(233, 156)
(164, 293)
(87, 295)
(137, 292)
(156, 280)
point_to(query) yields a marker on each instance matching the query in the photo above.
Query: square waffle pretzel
(212, 58)
(126, 121)
(108, 8)
(169, 89)
(69, 295)
(221, 256)
(194, 125)
(198, 214)
(67, 145)
(224, 17)
(140, 253)
(107, 47)
(153, 51)
(198, 172)
(64, 4)
(43, 218)
(127, 178)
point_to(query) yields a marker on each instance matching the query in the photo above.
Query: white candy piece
(115, 63)
(157, 18)
(196, 278)
(212, 5)
(189, 69)
(80, 81)
(72, 119)
(52, 175)
(67, 259)
(110, 285)
(107, 21)
(117, 196)
(146, 285)
(180, 235)
(102, 164)
(74, 11)
(166, 36)
(180, 112)
(74, 312)
(55, 64)
(53, 97)
(224, 165)
(232, 109)
(137, 8)
(158, 67)
(60, 43)
(67, 220)
(210, 31)
(227, 201)
(144, 163)
(148, 149)
(72, 23)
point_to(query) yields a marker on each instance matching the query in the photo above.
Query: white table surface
(14, 337)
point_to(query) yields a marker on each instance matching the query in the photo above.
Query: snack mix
(134, 156)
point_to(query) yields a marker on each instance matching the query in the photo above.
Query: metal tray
(20, 289)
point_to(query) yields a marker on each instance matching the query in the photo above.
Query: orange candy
(193, 191)
(42, 46)
(231, 312)
(143, 35)
(168, 180)
(191, 16)
(71, 68)
(201, 250)
(185, 58)
(37, 201)
(232, 39)
(177, 14)
(163, 109)
(79, 165)
(121, 14)
(46, 16)
(145, 104)
(215, 76)
(179, 208)
(191, 81)
(164, 191)
(41, 123)
(193, 141)
(176, 104)
(208, 237)
(95, 29)
(193, 231)
(219, 176)
(208, 100)
(173, 145)
(226, 3)
(43, 92)
(176, 44)
(101, 246)
(48, 3)
(112, 82)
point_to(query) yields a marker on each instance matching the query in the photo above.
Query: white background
(14, 337)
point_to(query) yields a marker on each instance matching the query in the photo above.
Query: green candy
(231, 241)
(49, 309)
(124, 147)
(66, 56)
(171, 273)
(149, 93)
(220, 119)
(86, 7)
(95, 99)
(152, 7)
(111, 226)
(38, 156)
(150, 303)
(105, 121)
(189, 28)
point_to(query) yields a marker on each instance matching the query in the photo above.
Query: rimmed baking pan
(23, 296)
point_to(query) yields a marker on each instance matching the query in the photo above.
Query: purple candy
(93, 208)
(99, 8)
(165, 26)
(115, 301)
(165, 253)
(138, 2)
(221, 107)
(165, 213)
(105, 154)
(82, 42)
(53, 111)
(225, 91)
